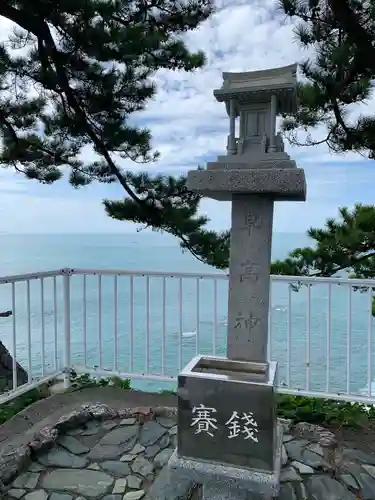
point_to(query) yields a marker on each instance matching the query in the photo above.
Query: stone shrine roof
(258, 86)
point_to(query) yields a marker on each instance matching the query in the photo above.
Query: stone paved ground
(114, 460)
(103, 453)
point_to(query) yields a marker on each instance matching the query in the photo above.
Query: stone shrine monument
(228, 436)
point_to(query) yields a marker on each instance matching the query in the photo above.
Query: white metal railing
(147, 325)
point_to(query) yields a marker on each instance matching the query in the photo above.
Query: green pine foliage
(340, 73)
(72, 74)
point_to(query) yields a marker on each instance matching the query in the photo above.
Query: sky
(190, 127)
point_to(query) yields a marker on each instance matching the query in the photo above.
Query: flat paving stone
(142, 466)
(134, 495)
(117, 468)
(73, 445)
(359, 456)
(27, 480)
(120, 486)
(289, 474)
(36, 495)
(151, 451)
(327, 488)
(151, 432)
(16, 492)
(128, 421)
(134, 482)
(57, 457)
(115, 443)
(162, 457)
(124, 460)
(88, 483)
(60, 496)
(166, 421)
(287, 492)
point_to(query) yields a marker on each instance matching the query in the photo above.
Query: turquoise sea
(183, 331)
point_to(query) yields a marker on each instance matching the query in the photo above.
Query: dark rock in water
(6, 370)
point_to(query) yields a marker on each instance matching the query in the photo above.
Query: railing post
(66, 302)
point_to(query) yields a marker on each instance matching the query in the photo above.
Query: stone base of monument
(228, 438)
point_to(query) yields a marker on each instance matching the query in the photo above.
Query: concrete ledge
(278, 184)
(224, 477)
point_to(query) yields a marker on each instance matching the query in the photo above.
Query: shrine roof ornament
(258, 86)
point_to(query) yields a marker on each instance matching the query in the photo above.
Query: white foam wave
(189, 334)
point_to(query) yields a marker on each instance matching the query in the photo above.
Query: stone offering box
(227, 413)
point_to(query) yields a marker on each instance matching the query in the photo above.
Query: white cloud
(188, 124)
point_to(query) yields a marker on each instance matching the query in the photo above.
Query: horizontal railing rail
(147, 325)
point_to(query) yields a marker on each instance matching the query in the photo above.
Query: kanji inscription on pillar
(252, 221)
(242, 425)
(245, 322)
(203, 420)
(239, 425)
(250, 272)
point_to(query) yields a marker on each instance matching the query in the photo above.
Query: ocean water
(136, 336)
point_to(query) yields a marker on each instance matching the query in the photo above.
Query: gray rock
(61, 458)
(73, 445)
(302, 468)
(325, 487)
(116, 443)
(284, 455)
(94, 466)
(100, 411)
(174, 441)
(91, 429)
(359, 456)
(296, 448)
(60, 496)
(120, 486)
(151, 451)
(138, 448)
(164, 441)
(151, 432)
(349, 480)
(121, 435)
(289, 474)
(107, 426)
(173, 430)
(162, 457)
(36, 495)
(370, 469)
(27, 480)
(73, 420)
(16, 492)
(313, 460)
(128, 421)
(6, 370)
(367, 484)
(88, 483)
(117, 468)
(111, 497)
(134, 482)
(127, 458)
(35, 467)
(287, 492)
(134, 495)
(166, 422)
(286, 424)
(316, 448)
(142, 466)
(12, 461)
(287, 438)
(300, 490)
